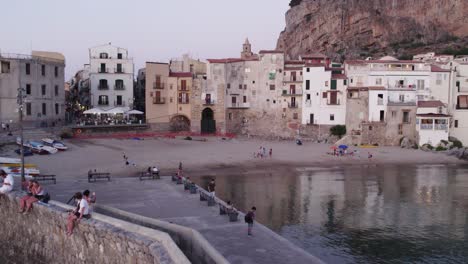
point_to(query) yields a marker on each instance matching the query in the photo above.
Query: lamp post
(20, 100)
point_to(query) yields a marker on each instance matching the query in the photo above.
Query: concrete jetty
(164, 200)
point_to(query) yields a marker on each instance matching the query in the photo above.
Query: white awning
(134, 112)
(94, 111)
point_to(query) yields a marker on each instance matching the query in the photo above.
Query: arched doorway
(208, 124)
(179, 123)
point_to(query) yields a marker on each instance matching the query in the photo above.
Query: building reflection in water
(360, 213)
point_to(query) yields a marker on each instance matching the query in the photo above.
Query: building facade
(111, 77)
(41, 75)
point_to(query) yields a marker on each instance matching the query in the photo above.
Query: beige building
(168, 98)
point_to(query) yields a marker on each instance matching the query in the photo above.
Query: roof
(435, 68)
(315, 65)
(354, 88)
(314, 56)
(230, 60)
(271, 52)
(294, 62)
(432, 115)
(382, 61)
(339, 76)
(430, 104)
(293, 68)
(153, 62)
(181, 74)
(376, 88)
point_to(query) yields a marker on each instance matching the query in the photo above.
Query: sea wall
(40, 237)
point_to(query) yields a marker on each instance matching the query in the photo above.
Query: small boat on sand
(40, 148)
(54, 143)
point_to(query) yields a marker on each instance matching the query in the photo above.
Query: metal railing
(103, 70)
(183, 88)
(103, 87)
(103, 103)
(159, 85)
(441, 126)
(208, 102)
(292, 92)
(159, 100)
(238, 105)
(293, 105)
(337, 102)
(119, 87)
(117, 70)
(121, 103)
(427, 126)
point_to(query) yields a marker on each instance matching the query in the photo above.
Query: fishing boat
(54, 143)
(40, 148)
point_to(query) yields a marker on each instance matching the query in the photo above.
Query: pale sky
(151, 30)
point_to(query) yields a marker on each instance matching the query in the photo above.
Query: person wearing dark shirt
(249, 219)
(211, 187)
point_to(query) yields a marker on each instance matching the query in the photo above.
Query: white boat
(9, 160)
(54, 143)
(38, 147)
(25, 143)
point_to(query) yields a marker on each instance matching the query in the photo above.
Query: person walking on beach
(271, 152)
(3, 126)
(249, 219)
(369, 156)
(211, 187)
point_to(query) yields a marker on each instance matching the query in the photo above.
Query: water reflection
(378, 214)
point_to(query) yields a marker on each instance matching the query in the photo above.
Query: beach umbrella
(93, 111)
(343, 147)
(134, 112)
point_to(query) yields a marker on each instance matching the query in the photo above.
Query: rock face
(345, 29)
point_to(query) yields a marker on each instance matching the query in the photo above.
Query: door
(208, 124)
(382, 115)
(293, 101)
(311, 119)
(292, 89)
(333, 98)
(293, 76)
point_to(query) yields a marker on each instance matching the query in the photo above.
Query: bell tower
(246, 50)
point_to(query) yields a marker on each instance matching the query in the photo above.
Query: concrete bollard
(211, 201)
(233, 216)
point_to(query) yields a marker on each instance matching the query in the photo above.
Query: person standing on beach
(211, 187)
(271, 152)
(249, 219)
(369, 156)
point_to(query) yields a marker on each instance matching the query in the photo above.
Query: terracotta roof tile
(430, 104)
(435, 68)
(339, 76)
(271, 52)
(180, 74)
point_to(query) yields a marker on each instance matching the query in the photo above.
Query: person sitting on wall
(81, 211)
(8, 182)
(35, 193)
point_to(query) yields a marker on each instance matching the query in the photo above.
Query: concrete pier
(164, 200)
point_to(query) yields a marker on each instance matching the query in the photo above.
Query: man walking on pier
(211, 187)
(249, 219)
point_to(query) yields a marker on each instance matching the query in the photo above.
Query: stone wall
(40, 237)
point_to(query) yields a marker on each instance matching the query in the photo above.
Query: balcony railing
(292, 93)
(402, 87)
(441, 126)
(400, 103)
(292, 79)
(103, 70)
(238, 105)
(183, 88)
(103, 87)
(158, 85)
(159, 100)
(119, 87)
(337, 102)
(208, 102)
(121, 103)
(119, 70)
(427, 126)
(186, 101)
(293, 105)
(103, 102)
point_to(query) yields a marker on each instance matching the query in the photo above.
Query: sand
(107, 155)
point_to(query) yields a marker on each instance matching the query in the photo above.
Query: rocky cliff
(360, 28)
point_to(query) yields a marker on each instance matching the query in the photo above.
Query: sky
(151, 30)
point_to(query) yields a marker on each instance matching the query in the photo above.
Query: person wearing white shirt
(7, 182)
(81, 211)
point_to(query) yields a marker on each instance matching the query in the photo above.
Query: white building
(111, 77)
(324, 100)
(459, 102)
(432, 122)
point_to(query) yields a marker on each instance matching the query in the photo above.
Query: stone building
(168, 96)
(139, 90)
(111, 77)
(41, 75)
(79, 95)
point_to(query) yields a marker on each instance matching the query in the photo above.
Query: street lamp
(20, 101)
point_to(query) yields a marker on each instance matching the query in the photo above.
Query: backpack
(248, 218)
(46, 198)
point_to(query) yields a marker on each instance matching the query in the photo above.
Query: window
(253, 82)
(57, 109)
(295, 116)
(400, 129)
(119, 56)
(382, 115)
(245, 99)
(370, 128)
(183, 85)
(102, 68)
(456, 123)
(240, 86)
(378, 81)
(5, 67)
(308, 97)
(228, 86)
(462, 102)
(402, 98)
(183, 98)
(43, 70)
(308, 69)
(43, 89)
(28, 89)
(230, 116)
(439, 79)
(28, 68)
(393, 114)
(103, 55)
(332, 117)
(406, 118)
(44, 109)
(326, 83)
(345, 82)
(420, 97)
(245, 86)
(119, 68)
(119, 84)
(56, 90)
(103, 84)
(103, 100)
(421, 85)
(119, 100)
(333, 85)
(351, 80)
(272, 87)
(324, 95)
(56, 71)
(307, 84)
(28, 109)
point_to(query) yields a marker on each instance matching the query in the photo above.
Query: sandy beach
(215, 154)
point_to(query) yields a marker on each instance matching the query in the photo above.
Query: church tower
(246, 50)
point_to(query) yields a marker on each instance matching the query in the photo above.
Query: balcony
(238, 105)
(119, 87)
(186, 101)
(159, 100)
(293, 105)
(103, 70)
(459, 107)
(208, 102)
(103, 87)
(292, 93)
(293, 80)
(441, 127)
(183, 88)
(408, 87)
(337, 102)
(427, 126)
(103, 103)
(119, 70)
(158, 85)
(121, 103)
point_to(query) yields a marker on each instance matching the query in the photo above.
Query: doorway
(208, 124)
